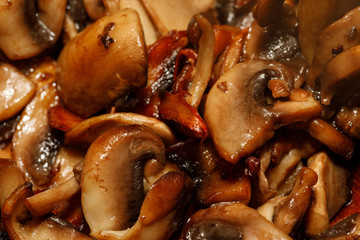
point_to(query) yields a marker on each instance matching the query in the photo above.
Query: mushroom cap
(103, 62)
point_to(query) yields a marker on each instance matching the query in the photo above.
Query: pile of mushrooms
(209, 119)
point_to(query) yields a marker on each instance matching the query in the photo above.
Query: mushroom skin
(105, 61)
(113, 169)
(230, 221)
(37, 28)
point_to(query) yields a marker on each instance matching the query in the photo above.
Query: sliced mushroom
(29, 27)
(21, 226)
(99, 8)
(337, 37)
(340, 76)
(179, 16)
(34, 145)
(204, 62)
(16, 91)
(113, 169)
(290, 214)
(105, 61)
(230, 221)
(10, 178)
(87, 131)
(331, 137)
(331, 192)
(239, 97)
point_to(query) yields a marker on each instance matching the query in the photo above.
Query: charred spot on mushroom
(336, 50)
(39, 31)
(104, 37)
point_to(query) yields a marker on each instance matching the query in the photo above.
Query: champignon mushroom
(34, 145)
(290, 214)
(337, 37)
(268, 12)
(87, 131)
(179, 16)
(113, 169)
(99, 8)
(239, 95)
(331, 192)
(16, 90)
(230, 221)
(20, 225)
(103, 62)
(29, 27)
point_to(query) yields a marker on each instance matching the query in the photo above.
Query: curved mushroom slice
(331, 192)
(337, 37)
(16, 91)
(103, 62)
(19, 224)
(97, 9)
(290, 214)
(10, 178)
(179, 16)
(204, 62)
(159, 221)
(269, 208)
(87, 131)
(113, 169)
(230, 221)
(340, 76)
(38, 25)
(34, 145)
(239, 95)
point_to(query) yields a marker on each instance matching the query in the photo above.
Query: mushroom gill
(103, 62)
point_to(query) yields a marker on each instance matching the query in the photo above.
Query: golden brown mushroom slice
(20, 225)
(112, 176)
(87, 131)
(29, 27)
(105, 61)
(337, 37)
(230, 221)
(237, 113)
(173, 14)
(16, 90)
